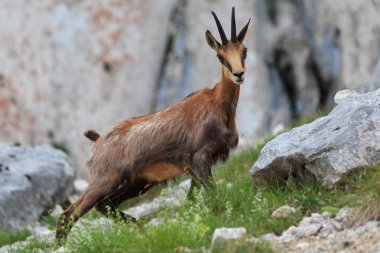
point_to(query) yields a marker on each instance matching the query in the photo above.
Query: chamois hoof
(60, 237)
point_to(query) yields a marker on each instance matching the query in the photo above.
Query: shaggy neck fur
(227, 94)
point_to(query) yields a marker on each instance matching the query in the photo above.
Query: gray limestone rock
(223, 234)
(32, 180)
(283, 211)
(328, 148)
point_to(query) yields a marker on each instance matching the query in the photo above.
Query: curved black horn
(233, 26)
(243, 31)
(220, 28)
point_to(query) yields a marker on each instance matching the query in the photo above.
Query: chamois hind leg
(96, 191)
(109, 208)
(113, 201)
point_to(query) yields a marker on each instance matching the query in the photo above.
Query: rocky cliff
(67, 66)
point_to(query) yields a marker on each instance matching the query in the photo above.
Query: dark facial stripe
(225, 62)
(244, 56)
(228, 65)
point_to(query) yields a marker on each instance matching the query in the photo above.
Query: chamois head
(231, 53)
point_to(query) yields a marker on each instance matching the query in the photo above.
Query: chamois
(188, 137)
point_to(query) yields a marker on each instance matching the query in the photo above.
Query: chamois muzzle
(239, 77)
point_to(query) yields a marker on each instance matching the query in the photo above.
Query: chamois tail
(92, 135)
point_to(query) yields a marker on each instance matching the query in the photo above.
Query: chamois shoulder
(199, 94)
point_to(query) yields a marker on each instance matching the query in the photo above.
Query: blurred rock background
(71, 65)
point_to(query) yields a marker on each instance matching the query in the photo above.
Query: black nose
(239, 75)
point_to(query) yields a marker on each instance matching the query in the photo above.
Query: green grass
(9, 237)
(49, 220)
(34, 246)
(368, 195)
(308, 118)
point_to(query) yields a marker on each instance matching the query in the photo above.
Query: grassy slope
(234, 202)
(9, 237)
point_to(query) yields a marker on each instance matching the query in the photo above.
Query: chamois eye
(245, 52)
(221, 59)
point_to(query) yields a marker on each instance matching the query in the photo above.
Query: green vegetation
(50, 221)
(272, 13)
(367, 185)
(107, 67)
(308, 119)
(33, 246)
(9, 237)
(56, 144)
(233, 202)
(60, 146)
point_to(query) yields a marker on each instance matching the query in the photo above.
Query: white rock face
(56, 211)
(330, 147)
(69, 66)
(43, 234)
(224, 234)
(268, 237)
(85, 225)
(32, 180)
(344, 94)
(80, 185)
(283, 211)
(374, 82)
(61, 250)
(278, 129)
(173, 197)
(307, 230)
(155, 222)
(320, 233)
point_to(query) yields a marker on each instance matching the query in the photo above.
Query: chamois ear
(243, 32)
(211, 41)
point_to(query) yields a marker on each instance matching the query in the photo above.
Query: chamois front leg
(201, 170)
(212, 145)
